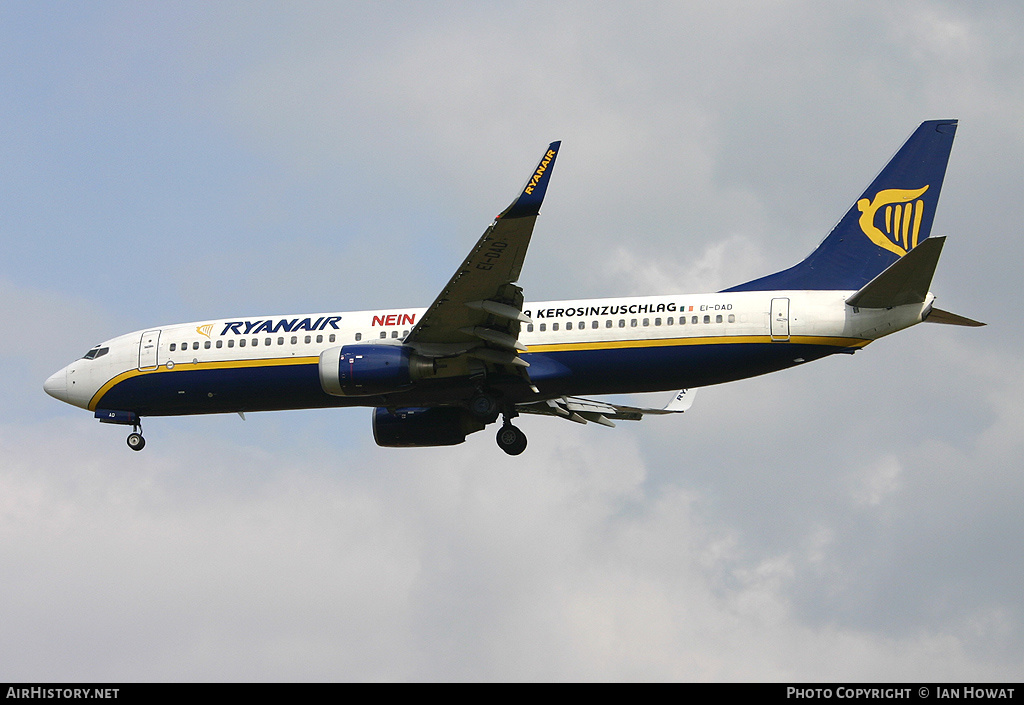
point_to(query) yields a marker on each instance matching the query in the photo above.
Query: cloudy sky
(855, 519)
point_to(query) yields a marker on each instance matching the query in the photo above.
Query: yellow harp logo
(901, 218)
(205, 330)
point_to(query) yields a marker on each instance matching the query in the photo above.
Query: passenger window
(206, 345)
(195, 345)
(220, 343)
(295, 339)
(632, 323)
(568, 326)
(657, 321)
(608, 323)
(383, 334)
(693, 320)
(707, 319)
(172, 350)
(359, 336)
(308, 339)
(241, 343)
(554, 326)
(732, 318)
(319, 339)
(582, 325)
(594, 325)
(394, 334)
(255, 342)
(543, 327)
(280, 341)
(718, 318)
(331, 339)
(529, 327)
(647, 322)
(268, 341)
(622, 323)
(669, 321)
(231, 342)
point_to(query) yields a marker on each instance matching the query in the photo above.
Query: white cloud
(453, 564)
(721, 264)
(877, 481)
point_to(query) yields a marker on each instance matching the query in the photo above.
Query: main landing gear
(511, 439)
(135, 439)
(485, 407)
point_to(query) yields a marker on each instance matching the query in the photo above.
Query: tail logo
(205, 330)
(901, 218)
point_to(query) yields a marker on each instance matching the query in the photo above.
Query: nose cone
(57, 385)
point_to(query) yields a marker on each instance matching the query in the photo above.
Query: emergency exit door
(780, 319)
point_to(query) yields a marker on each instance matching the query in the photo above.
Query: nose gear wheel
(135, 440)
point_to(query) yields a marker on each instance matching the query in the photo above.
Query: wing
(481, 307)
(584, 410)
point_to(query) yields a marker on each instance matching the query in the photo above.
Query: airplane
(479, 352)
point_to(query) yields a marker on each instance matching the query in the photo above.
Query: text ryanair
(540, 171)
(282, 325)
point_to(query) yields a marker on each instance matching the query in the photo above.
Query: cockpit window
(95, 352)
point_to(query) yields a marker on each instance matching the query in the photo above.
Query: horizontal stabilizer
(937, 315)
(682, 401)
(905, 281)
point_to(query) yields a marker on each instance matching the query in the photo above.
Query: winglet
(532, 194)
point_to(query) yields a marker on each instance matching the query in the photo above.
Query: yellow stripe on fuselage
(710, 340)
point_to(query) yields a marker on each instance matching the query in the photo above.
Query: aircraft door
(148, 346)
(780, 320)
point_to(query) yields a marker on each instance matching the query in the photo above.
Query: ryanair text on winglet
(540, 171)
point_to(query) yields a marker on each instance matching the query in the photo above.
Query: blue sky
(856, 519)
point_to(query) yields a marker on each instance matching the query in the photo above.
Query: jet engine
(365, 370)
(418, 427)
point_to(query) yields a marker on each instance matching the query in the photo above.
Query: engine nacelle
(365, 370)
(416, 428)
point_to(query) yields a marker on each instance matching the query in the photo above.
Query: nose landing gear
(135, 439)
(125, 418)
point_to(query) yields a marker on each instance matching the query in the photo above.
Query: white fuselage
(565, 330)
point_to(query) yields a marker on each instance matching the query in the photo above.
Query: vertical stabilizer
(889, 219)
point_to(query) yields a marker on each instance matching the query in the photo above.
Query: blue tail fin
(892, 216)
